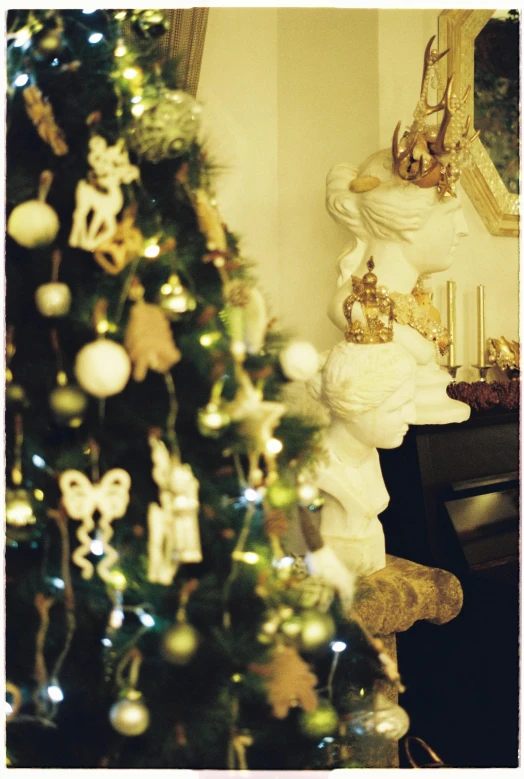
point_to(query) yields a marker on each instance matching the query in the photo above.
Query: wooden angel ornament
(174, 535)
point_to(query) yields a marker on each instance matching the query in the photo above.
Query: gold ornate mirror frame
(498, 208)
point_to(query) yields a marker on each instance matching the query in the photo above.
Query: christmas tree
(153, 469)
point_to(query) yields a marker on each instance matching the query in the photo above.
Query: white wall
(290, 92)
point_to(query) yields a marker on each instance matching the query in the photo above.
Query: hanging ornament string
(43, 605)
(16, 700)
(60, 518)
(172, 414)
(236, 754)
(16, 472)
(61, 376)
(131, 663)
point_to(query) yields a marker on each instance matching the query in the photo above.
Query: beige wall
(290, 92)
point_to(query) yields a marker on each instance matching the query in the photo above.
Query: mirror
(484, 53)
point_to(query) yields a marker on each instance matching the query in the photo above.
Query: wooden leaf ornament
(149, 341)
(289, 683)
(41, 114)
(121, 248)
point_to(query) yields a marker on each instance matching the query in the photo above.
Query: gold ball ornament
(33, 224)
(321, 722)
(318, 630)
(102, 368)
(175, 300)
(53, 299)
(180, 643)
(129, 716)
(68, 404)
(19, 508)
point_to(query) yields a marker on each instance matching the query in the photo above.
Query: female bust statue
(401, 207)
(409, 233)
(368, 390)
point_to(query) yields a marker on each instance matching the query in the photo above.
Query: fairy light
(21, 80)
(338, 646)
(136, 99)
(8, 709)
(138, 109)
(107, 641)
(120, 15)
(22, 37)
(250, 494)
(55, 693)
(120, 48)
(153, 250)
(38, 461)
(58, 583)
(88, 11)
(130, 73)
(95, 37)
(38, 494)
(97, 547)
(116, 618)
(146, 619)
(251, 558)
(274, 446)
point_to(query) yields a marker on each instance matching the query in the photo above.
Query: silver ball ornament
(53, 299)
(179, 644)
(68, 404)
(382, 717)
(33, 224)
(102, 368)
(129, 716)
(167, 128)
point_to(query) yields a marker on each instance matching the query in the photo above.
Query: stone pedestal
(393, 599)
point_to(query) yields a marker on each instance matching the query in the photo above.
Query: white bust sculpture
(368, 390)
(409, 233)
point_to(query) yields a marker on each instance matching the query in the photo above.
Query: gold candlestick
(452, 323)
(481, 339)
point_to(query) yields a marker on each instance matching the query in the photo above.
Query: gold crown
(376, 306)
(432, 155)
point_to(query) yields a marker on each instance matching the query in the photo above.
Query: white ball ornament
(53, 299)
(299, 360)
(33, 224)
(102, 368)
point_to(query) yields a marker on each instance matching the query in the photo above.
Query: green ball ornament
(15, 396)
(321, 722)
(149, 24)
(68, 405)
(129, 716)
(318, 630)
(19, 508)
(281, 495)
(179, 644)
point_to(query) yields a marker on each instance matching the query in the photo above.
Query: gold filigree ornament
(417, 311)
(377, 309)
(429, 155)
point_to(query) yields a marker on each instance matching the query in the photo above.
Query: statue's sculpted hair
(358, 377)
(395, 208)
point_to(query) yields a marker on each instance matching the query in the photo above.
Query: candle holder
(483, 371)
(452, 370)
